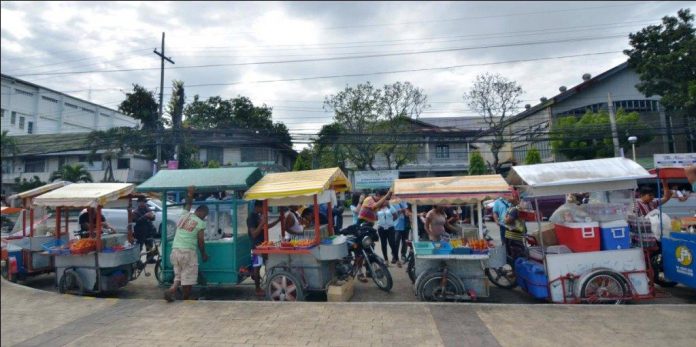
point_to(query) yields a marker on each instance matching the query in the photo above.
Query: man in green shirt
(190, 233)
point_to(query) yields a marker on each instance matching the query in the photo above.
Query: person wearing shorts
(255, 225)
(190, 234)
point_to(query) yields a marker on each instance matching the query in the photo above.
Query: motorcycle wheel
(381, 275)
(503, 277)
(431, 287)
(284, 286)
(658, 274)
(411, 267)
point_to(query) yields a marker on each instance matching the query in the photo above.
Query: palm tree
(9, 146)
(72, 173)
(115, 142)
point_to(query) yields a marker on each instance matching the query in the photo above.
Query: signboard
(375, 179)
(173, 164)
(674, 160)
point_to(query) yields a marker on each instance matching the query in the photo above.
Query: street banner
(375, 179)
(173, 164)
(674, 160)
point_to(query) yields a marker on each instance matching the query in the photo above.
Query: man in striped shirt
(647, 201)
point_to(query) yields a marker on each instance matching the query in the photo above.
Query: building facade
(30, 109)
(530, 128)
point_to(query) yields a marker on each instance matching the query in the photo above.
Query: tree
(240, 112)
(327, 148)
(175, 108)
(114, 143)
(23, 185)
(72, 173)
(9, 147)
(141, 105)
(400, 102)
(495, 98)
(213, 164)
(477, 166)
(664, 56)
(304, 160)
(533, 157)
(589, 136)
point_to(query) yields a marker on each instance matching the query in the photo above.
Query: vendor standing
(255, 226)
(647, 201)
(372, 204)
(189, 236)
(144, 228)
(500, 209)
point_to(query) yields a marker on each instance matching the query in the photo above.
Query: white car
(117, 216)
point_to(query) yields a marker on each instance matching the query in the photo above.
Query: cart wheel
(158, 271)
(658, 273)
(434, 287)
(71, 283)
(381, 275)
(284, 286)
(411, 268)
(604, 287)
(503, 277)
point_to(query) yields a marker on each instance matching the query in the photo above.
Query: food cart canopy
(40, 190)
(451, 190)
(85, 194)
(299, 187)
(577, 176)
(10, 210)
(233, 178)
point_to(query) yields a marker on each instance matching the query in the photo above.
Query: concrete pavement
(33, 317)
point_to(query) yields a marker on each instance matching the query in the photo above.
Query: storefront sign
(375, 179)
(173, 164)
(674, 160)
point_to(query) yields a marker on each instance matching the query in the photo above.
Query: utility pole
(159, 138)
(612, 119)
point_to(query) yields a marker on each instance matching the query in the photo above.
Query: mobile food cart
(91, 265)
(451, 270)
(229, 257)
(675, 264)
(22, 251)
(293, 269)
(594, 261)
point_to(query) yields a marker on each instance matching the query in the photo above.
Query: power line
(338, 58)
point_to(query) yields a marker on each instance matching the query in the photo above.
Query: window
(49, 99)
(214, 153)
(442, 151)
(123, 163)
(2, 113)
(88, 110)
(30, 127)
(21, 122)
(544, 149)
(520, 153)
(22, 92)
(13, 118)
(61, 162)
(254, 154)
(71, 106)
(97, 163)
(34, 165)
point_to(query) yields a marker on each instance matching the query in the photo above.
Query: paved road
(32, 317)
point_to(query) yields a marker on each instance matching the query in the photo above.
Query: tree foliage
(114, 143)
(142, 105)
(304, 160)
(377, 121)
(8, 144)
(533, 157)
(23, 185)
(664, 56)
(477, 166)
(72, 173)
(175, 108)
(328, 150)
(240, 112)
(589, 136)
(496, 99)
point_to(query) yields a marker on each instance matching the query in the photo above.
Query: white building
(28, 108)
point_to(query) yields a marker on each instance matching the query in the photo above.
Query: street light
(633, 140)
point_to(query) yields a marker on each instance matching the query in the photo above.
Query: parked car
(117, 216)
(547, 206)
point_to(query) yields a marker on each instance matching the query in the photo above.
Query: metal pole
(633, 149)
(612, 119)
(159, 138)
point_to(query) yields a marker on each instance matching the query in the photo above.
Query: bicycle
(151, 256)
(504, 276)
(410, 262)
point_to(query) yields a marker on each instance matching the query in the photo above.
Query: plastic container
(442, 248)
(532, 278)
(423, 248)
(56, 247)
(579, 237)
(615, 235)
(461, 250)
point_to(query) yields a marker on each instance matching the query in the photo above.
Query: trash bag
(570, 213)
(654, 218)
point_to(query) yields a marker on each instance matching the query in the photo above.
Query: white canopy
(577, 176)
(85, 194)
(40, 190)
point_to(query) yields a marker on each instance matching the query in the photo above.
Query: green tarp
(204, 179)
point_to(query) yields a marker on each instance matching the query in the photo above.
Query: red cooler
(579, 237)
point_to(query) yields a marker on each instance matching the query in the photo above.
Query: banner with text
(674, 160)
(380, 179)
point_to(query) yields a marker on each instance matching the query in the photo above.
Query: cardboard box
(548, 235)
(343, 292)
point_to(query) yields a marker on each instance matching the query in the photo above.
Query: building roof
(61, 93)
(462, 123)
(562, 96)
(50, 143)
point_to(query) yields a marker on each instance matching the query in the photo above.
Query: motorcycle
(360, 242)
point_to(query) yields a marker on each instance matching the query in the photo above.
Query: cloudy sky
(290, 55)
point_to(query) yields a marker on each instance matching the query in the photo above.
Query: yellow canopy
(298, 184)
(85, 194)
(451, 190)
(40, 190)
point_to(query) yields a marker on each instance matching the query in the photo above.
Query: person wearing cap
(144, 228)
